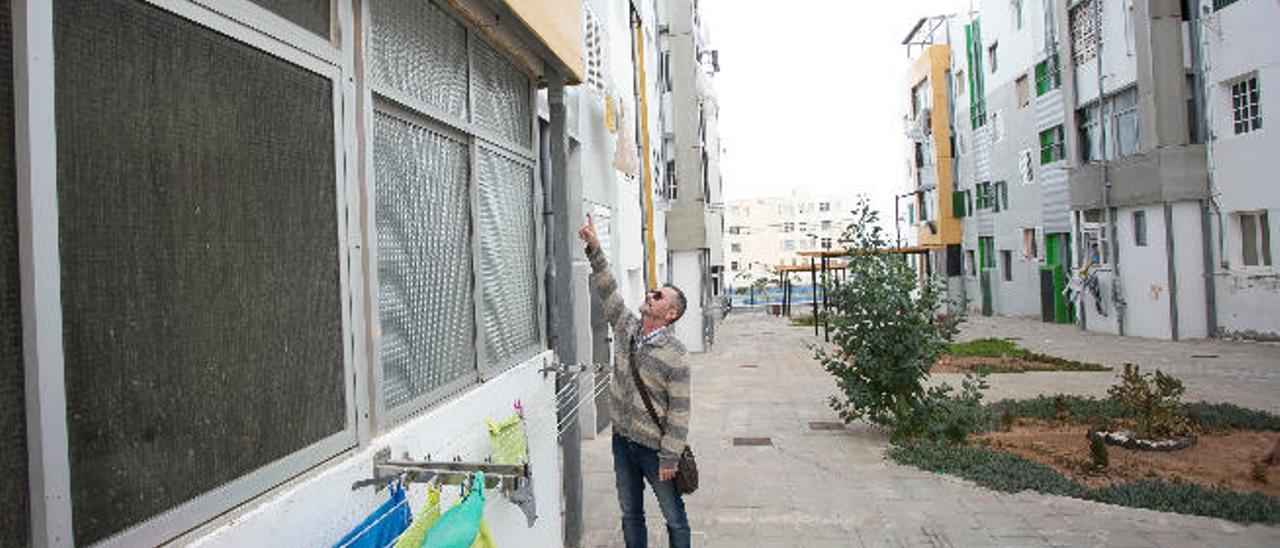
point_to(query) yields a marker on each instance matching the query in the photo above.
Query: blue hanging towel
(458, 527)
(383, 525)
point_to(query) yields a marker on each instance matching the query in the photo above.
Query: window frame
(1261, 239)
(1139, 220)
(333, 58)
(379, 97)
(245, 24)
(1048, 75)
(1052, 145)
(1244, 95)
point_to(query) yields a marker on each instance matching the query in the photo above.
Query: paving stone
(836, 488)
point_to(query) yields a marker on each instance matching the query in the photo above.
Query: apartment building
(763, 233)
(253, 246)
(1241, 68)
(1111, 205)
(691, 160)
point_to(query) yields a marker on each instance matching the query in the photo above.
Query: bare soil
(1221, 460)
(953, 364)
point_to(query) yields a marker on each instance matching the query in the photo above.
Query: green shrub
(1094, 411)
(885, 323)
(1010, 473)
(1154, 402)
(1225, 416)
(1098, 455)
(1189, 498)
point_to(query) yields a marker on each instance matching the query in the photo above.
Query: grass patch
(807, 320)
(1010, 473)
(999, 348)
(1080, 409)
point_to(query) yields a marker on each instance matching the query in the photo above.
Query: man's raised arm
(603, 282)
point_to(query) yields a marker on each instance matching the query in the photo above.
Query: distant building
(764, 233)
(1140, 204)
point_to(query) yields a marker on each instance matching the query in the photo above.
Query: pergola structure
(824, 261)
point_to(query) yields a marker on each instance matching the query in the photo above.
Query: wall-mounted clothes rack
(453, 472)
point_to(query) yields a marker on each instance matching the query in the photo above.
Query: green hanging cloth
(507, 437)
(427, 516)
(460, 526)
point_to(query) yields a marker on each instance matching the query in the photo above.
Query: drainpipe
(1202, 92)
(561, 328)
(646, 189)
(1172, 271)
(1116, 293)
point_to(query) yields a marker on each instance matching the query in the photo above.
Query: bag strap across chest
(640, 386)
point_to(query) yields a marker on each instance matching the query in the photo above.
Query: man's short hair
(681, 302)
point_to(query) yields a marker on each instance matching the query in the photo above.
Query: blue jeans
(633, 464)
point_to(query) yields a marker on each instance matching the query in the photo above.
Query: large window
(1119, 122)
(14, 522)
(454, 187)
(200, 260)
(1246, 109)
(196, 198)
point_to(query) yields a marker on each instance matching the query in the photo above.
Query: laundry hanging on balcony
(463, 525)
(511, 446)
(382, 526)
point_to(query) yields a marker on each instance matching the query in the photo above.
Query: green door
(1057, 254)
(987, 263)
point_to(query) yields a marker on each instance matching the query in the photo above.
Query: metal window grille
(501, 95)
(425, 304)
(507, 271)
(419, 50)
(1084, 39)
(200, 259)
(313, 15)
(594, 39)
(1246, 112)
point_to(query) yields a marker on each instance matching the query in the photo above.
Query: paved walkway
(817, 489)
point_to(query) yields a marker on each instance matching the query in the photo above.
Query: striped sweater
(660, 358)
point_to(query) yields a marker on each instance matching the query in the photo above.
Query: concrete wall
(320, 506)
(687, 275)
(1118, 52)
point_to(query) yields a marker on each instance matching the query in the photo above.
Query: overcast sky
(811, 94)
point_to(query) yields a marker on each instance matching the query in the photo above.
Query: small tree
(1154, 402)
(888, 333)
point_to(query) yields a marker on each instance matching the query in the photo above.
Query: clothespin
(519, 409)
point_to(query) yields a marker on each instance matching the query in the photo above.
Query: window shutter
(957, 205)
